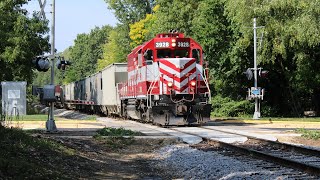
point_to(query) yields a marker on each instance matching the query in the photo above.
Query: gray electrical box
(14, 98)
(48, 93)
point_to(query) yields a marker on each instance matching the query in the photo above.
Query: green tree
(130, 11)
(140, 31)
(289, 50)
(127, 12)
(116, 49)
(176, 14)
(87, 49)
(210, 27)
(22, 38)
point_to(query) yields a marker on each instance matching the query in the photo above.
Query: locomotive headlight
(173, 40)
(173, 44)
(193, 83)
(170, 84)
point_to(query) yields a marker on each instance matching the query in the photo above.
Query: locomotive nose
(180, 71)
(180, 66)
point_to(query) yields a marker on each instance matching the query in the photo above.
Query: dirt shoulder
(113, 157)
(68, 156)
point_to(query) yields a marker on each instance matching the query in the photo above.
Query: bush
(269, 111)
(226, 107)
(107, 131)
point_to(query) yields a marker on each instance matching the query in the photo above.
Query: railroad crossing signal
(42, 6)
(41, 63)
(255, 92)
(262, 73)
(248, 73)
(61, 63)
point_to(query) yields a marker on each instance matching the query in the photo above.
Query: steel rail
(269, 157)
(311, 169)
(292, 147)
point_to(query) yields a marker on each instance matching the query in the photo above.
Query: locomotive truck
(165, 82)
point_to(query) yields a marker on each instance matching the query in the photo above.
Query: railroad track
(296, 157)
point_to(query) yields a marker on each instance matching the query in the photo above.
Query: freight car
(98, 92)
(165, 81)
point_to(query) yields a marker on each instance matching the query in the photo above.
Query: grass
(24, 156)
(108, 131)
(44, 117)
(316, 119)
(115, 139)
(91, 118)
(38, 117)
(294, 119)
(309, 134)
(116, 142)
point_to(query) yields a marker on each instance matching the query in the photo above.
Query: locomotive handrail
(207, 85)
(149, 91)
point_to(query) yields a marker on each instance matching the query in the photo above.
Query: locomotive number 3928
(183, 44)
(162, 44)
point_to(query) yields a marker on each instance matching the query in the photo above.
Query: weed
(118, 142)
(16, 149)
(309, 134)
(107, 131)
(115, 139)
(91, 117)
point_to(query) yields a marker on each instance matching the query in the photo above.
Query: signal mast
(255, 92)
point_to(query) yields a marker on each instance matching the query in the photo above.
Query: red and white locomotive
(164, 82)
(167, 82)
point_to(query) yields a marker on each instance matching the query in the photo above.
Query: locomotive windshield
(167, 53)
(181, 53)
(164, 53)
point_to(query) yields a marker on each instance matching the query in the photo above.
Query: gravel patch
(181, 161)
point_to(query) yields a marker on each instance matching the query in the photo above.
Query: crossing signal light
(263, 74)
(248, 73)
(61, 63)
(42, 64)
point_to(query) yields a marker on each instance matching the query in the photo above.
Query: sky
(74, 17)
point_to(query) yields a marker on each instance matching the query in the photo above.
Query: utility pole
(50, 124)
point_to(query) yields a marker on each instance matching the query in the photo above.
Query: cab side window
(148, 56)
(196, 54)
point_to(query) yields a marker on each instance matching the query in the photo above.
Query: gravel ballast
(182, 161)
